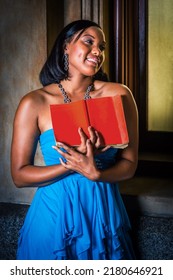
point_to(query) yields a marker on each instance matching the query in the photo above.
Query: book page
(66, 119)
(107, 117)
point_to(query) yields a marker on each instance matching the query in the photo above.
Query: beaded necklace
(68, 100)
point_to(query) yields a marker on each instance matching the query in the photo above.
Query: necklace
(68, 100)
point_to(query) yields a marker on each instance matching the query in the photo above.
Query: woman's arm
(24, 143)
(127, 158)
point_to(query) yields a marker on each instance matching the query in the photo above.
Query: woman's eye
(102, 48)
(89, 41)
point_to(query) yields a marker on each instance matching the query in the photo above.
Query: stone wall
(23, 49)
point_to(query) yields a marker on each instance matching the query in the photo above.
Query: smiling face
(86, 52)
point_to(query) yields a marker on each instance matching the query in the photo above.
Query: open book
(104, 114)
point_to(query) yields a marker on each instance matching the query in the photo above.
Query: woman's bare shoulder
(32, 96)
(36, 97)
(111, 89)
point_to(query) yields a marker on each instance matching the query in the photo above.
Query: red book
(105, 114)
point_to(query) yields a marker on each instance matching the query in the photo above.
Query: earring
(66, 63)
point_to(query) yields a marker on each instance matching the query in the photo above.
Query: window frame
(150, 141)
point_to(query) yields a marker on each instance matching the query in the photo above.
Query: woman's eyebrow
(87, 34)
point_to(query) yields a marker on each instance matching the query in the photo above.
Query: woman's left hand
(81, 163)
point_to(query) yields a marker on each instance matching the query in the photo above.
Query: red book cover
(105, 114)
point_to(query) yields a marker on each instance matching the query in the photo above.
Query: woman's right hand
(78, 162)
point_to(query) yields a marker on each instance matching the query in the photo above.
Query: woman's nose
(96, 51)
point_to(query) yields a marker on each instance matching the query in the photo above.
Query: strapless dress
(75, 218)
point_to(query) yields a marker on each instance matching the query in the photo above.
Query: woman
(77, 211)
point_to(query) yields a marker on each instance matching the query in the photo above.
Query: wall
(23, 52)
(28, 30)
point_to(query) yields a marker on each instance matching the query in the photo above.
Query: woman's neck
(76, 86)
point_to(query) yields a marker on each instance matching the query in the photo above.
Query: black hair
(53, 69)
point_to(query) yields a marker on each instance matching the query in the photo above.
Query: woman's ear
(66, 47)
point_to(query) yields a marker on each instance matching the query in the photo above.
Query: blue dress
(75, 218)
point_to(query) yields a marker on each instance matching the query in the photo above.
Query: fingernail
(59, 143)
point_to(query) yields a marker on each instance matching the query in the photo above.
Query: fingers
(92, 133)
(68, 153)
(106, 148)
(93, 146)
(98, 143)
(77, 162)
(65, 150)
(96, 138)
(83, 136)
(89, 148)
